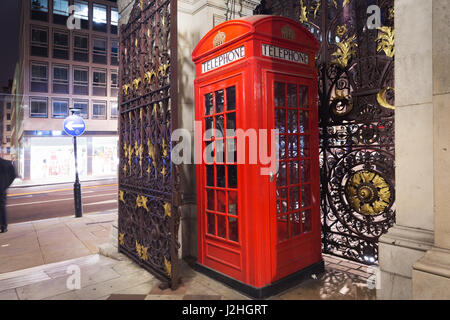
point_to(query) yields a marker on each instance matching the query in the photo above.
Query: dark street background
(9, 33)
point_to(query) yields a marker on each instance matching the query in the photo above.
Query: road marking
(56, 200)
(101, 202)
(59, 190)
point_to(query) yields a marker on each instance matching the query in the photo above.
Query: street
(51, 201)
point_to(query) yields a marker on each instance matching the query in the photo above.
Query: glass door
(221, 213)
(290, 103)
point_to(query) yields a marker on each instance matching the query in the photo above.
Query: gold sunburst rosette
(368, 192)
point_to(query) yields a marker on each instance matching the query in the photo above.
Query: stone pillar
(412, 235)
(431, 274)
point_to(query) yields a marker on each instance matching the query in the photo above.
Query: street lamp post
(77, 185)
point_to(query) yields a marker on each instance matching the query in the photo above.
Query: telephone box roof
(264, 25)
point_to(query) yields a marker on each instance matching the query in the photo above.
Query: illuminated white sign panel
(224, 59)
(271, 51)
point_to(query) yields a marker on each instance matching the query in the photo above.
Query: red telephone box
(258, 232)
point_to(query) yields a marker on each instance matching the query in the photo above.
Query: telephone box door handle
(271, 176)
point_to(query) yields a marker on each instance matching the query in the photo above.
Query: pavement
(35, 243)
(39, 260)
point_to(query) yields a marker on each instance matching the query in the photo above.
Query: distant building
(67, 58)
(5, 121)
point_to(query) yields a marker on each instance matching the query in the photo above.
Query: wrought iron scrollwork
(356, 125)
(148, 181)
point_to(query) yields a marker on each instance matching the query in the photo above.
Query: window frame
(98, 102)
(77, 13)
(102, 85)
(112, 54)
(38, 43)
(46, 8)
(98, 55)
(114, 116)
(78, 82)
(59, 12)
(60, 116)
(38, 99)
(60, 82)
(61, 47)
(39, 79)
(80, 50)
(80, 101)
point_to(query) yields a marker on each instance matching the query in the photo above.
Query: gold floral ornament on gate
(125, 88)
(141, 202)
(149, 76)
(345, 51)
(368, 192)
(122, 239)
(136, 83)
(167, 209)
(142, 251)
(303, 13)
(122, 196)
(168, 266)
(386, 41)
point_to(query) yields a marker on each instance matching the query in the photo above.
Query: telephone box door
(295, 213)
(221, 222)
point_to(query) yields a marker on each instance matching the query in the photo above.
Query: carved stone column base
(431, 275)
(399, 249)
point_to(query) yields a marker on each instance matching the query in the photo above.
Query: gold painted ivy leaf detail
(386, 41)
(303, 12)
(346, 50)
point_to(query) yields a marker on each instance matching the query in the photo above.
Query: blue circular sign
(74, 125)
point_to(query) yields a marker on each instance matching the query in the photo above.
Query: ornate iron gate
(148, 181)
(356, 94)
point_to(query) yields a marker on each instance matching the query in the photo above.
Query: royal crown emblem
(287, 33)
(219, 39)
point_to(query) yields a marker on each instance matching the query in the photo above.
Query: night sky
(9, 33)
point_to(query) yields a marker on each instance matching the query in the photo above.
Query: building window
(39, 42)
(99, 18)
(60, 11)
(99, 51)
(39, 10)
(8, 139)
(38, 107)
(60, 109)
(114, 20)
(114, 84)
(8, 127)
(99, 82)
(8, 149)
(99, 110)
(83, 106)
(8, 116)
(80, 81)
(8, 106)
(80, 48)
(39, 77)
(82, 13)
(114, 52)
(114, 110)
(60, 79)
(61, 45)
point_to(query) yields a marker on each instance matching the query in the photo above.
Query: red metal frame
(258, 259)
